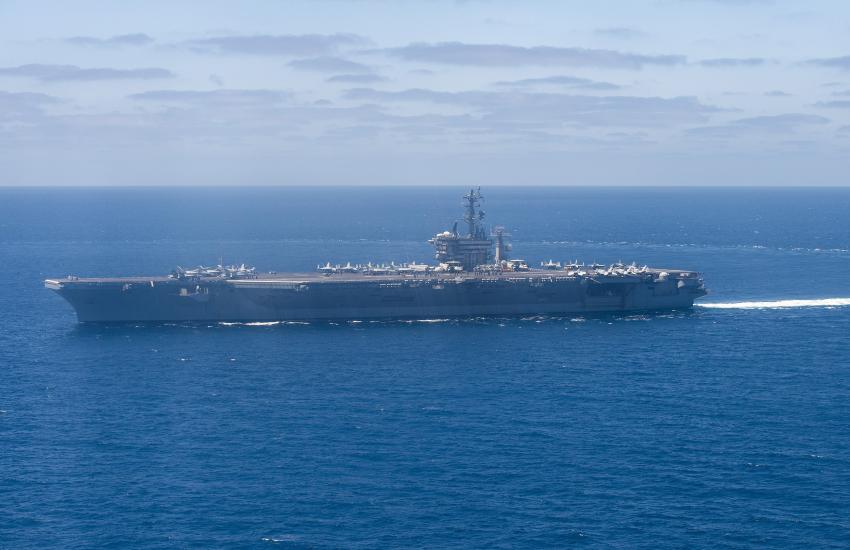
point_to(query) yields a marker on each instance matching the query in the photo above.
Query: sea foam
(779, 304)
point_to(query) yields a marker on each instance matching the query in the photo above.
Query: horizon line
(422, 185)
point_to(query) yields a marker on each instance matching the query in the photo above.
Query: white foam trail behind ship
(779, 304)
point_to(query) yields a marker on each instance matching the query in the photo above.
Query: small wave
(403, 321)
(253, 324)
(261, 323)
(707, 246)
(279, 539)
(779, 304)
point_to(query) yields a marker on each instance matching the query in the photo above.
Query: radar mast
(473, 219)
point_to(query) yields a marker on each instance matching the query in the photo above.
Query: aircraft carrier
(475, 275)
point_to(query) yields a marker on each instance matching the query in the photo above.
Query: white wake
(779, 304)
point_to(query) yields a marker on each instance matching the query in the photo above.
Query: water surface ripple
(721, 427)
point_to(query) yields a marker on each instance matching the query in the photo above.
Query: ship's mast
(472, 200)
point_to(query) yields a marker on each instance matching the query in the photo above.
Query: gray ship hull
(307, 297)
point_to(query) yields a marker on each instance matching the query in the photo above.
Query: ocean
(721, 427)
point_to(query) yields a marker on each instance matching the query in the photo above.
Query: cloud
(834, 62)
(733, 62)
(837, 104)
(135, 39)
(280, 44)
(623, 33)
(777, 93)
(477, 119)
(367, 78)
(56, 73)
(196, 119)
(221, 96)
(781, 121)
(523, 108)
(772, 124)
(561, 80)
(15, 106)
(503, 55)
(248, 118)
(329, 64)
(228, 134)
(733, 2)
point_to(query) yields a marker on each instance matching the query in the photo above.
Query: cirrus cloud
(733, 62)
(759, 125)
(842, 62)
(329, 64)
(278, 44)
(55, 73)
(134, 39)
(623, 33)
(561, 80)
(837, 104)
(23, 105)
(219, 96)
(367, 78)
(533, 108)
(504, 55)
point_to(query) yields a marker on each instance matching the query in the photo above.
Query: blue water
(712, 428)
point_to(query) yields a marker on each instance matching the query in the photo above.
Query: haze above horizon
(449, 92)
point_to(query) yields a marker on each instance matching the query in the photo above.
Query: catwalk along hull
(298, 297)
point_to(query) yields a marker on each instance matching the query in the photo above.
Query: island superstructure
(474, 276)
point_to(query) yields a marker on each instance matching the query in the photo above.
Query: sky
(429, 92)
